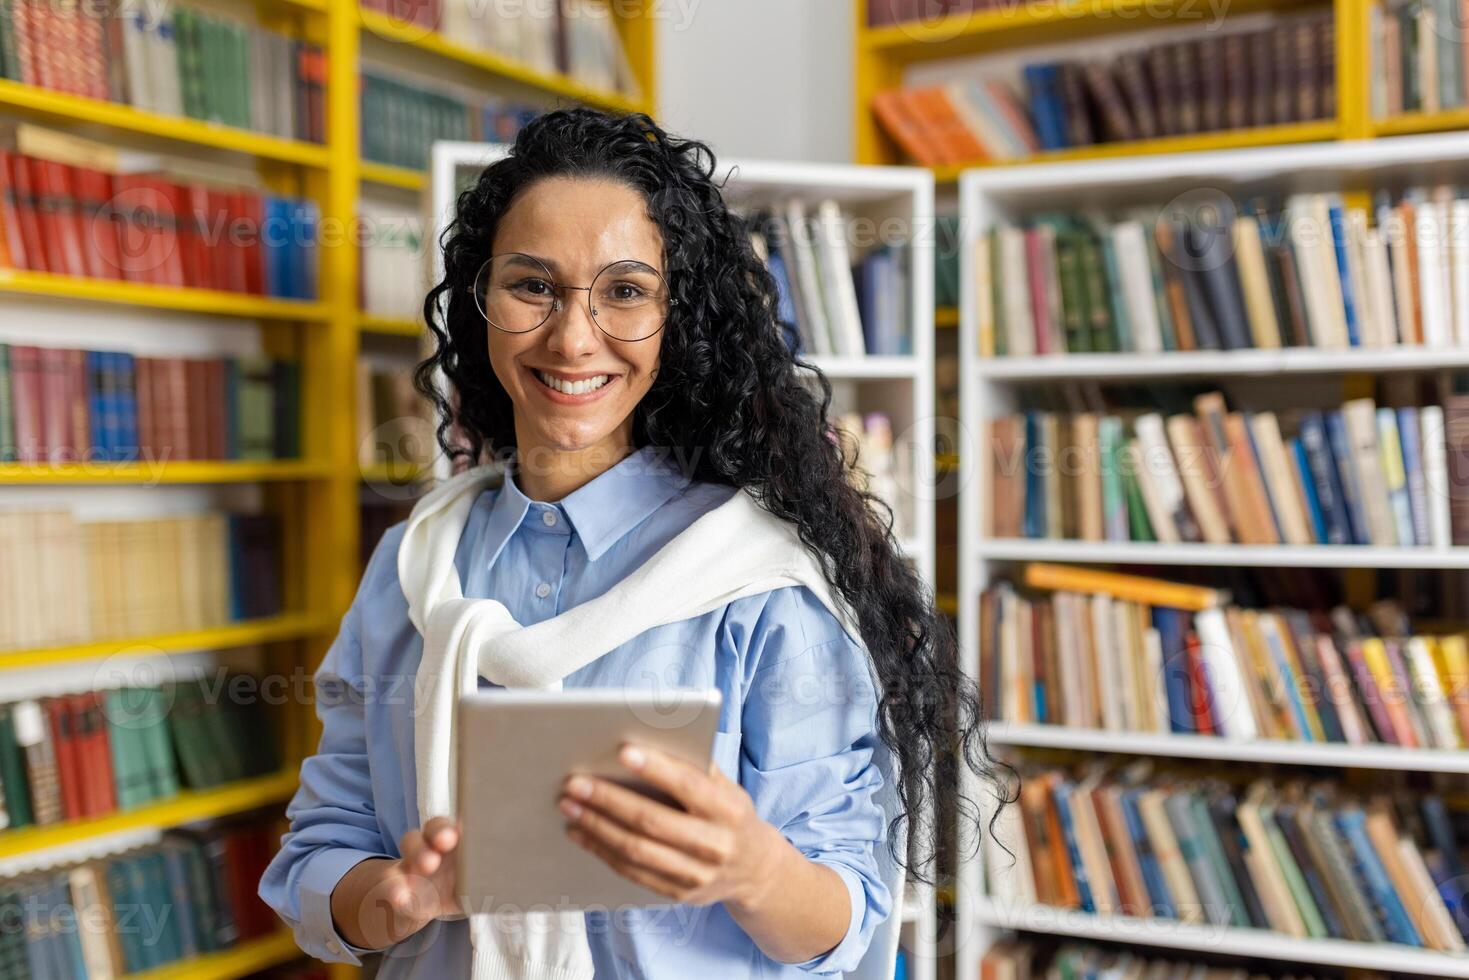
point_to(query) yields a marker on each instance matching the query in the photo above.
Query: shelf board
(1213, 747)
(1226, 940)
(238, 961)
(187, 807)
(1236, 555)
(77, 109)
(147, 473)
(490, 63)
(215, 302)
(946, 462)
(388, 175)
(292, 626)
(1308, 132)
(390, 326)
(948, 602)
(867, 367)
(1187, 364)
(398, 474)
(946, 316)
(1013, 24)
(1422, 122)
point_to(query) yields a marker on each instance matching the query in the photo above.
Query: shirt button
(548, 517)
(333, 947)
(543, 590)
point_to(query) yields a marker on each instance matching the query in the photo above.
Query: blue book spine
(97, 406)
(1339, 239)
(785, 306)
(273, 233)
(1035, 482)
(1398, 497)
(1040, 85)
(1061, 791)
(1389, 908)
(1177, 682)
(1269, 500)
(1341, 450)
(1409, 436)
(237, 568)
(1325, 480)
(1308, 486)
(127, 409)
(1158, 894)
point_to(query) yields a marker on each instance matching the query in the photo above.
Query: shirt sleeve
(333, 826)
(809, 726)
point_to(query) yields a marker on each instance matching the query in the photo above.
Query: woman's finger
(442, 834)
(635, 873)
(690, 786)
(651, 818)
(649, 854)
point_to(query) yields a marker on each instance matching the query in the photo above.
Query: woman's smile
(567, 388)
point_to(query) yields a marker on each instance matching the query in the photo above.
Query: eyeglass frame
(556, 302)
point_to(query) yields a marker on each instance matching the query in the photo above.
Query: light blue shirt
(797, 731)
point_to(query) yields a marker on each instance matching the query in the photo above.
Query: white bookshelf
(991, 387)
(902, 387)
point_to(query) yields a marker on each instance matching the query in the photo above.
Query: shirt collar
(601, 511)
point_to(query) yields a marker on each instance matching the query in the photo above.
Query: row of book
(392, 428)
(65, 581)
(391, 260)
(578, 38)
(1030, 959)
(1302, 859)
(1212, 273)
(76, 207)
(401, 118)
(1364, 475)
(68, 405)
(1417, 57)
(1224, 80)
(76, 756)
(882, 468)
(1087, 657)
(190, 893)
(174, 60)
(828, 304)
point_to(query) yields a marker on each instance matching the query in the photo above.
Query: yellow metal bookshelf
(882, 54)
(316, 497)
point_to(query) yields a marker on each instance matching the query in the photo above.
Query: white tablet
(515, 750)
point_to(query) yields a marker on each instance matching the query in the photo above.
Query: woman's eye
(626, 290)
(532, 287)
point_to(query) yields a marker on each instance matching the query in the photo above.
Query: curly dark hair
(728, 397)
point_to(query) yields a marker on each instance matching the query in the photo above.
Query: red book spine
(26, 215)
(58, 714)
(75, 708)
(138, 235)
(93, 190)
(99, 754)
(143, 370)
(196, 411)
(28, 403)
(79, 415)
(1202, 700)
(174, 418)
(199, 235)
(221, 245)
(59, 223)
(171, 271)
(23, 19)
(249, 250)
(12, 242)
(214, 395)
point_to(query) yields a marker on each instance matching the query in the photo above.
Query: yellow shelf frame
(275, 629)
(387, 175)
(215, 302)
(239, 961)
(550, 83)
(60, 106)
(147, 473)
(188, 807)
(1422, 122)
(946, 317)
(390, 326)
(883, 54)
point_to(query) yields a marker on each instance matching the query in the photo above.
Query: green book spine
(1122, 325)
(1310, 915)
(1074, 315)
(13, 775)
(1214, 851)
(201, 890)
(168, 941)
(8, 452)
(1138, 526)
(186, 58)
(240, 84)
(9, 63)
(1098, 305)
(997, 293)
(1160, 293)
(209, 68)
(162, 771)
(129, 764)
(1114, 503)
(125, 902)
(143, 896)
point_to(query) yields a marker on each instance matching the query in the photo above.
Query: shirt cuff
(845, 955)
(317, 932)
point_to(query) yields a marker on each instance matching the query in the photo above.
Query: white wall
(758, 78)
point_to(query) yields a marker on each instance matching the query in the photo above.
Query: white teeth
(573, 387)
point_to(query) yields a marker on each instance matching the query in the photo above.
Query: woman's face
(576, 227)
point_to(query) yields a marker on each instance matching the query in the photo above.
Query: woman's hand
(382, 902)
(717, 849)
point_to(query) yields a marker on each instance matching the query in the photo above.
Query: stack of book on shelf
(828, 304)
(1364, 474)
(392, 262)
(401, 118)
(130, 578)
(1016, 959)
(1306, 859)
(392, 425)
(1213, 273)
(1417, 57)
(881, 469)
(75, 756)
(1224, 80)
(578, 38)
(65, 405)
(76, 207)
(174, 60)
(1130, 654)
(191, 893)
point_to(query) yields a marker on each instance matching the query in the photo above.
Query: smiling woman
(618, 385)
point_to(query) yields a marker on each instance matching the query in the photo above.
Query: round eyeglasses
(628, 299)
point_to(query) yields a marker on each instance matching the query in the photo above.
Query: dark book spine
(1210, 54)
(1132, 75)
(1078, 122)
